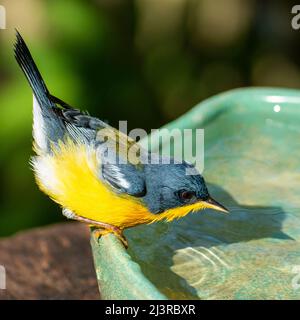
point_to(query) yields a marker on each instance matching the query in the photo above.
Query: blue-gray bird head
(171, 186)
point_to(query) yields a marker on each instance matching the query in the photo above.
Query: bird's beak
(210, 203)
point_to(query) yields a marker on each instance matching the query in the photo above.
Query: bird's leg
(102, 228)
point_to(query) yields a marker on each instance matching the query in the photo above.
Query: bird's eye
(187, 196)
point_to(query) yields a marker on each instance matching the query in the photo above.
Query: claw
(98, 233)
(122, 239)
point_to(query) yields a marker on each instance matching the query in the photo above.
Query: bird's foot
(99, 232)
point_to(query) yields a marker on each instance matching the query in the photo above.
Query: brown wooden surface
(52, 262)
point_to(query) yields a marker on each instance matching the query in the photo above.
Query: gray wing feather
(125, 178)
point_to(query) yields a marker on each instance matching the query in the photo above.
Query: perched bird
(69, 167)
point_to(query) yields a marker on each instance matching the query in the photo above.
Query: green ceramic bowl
(252, 166)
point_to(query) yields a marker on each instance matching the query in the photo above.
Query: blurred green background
(145, 61)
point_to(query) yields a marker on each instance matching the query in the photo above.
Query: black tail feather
(31, 72)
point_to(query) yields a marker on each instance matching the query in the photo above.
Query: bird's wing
(120, 164)
(124, 178)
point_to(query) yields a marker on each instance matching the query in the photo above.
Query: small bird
(71, 166)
